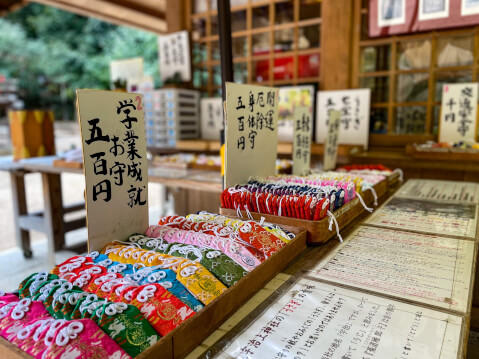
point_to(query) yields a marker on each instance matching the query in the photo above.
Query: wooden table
(199, 185)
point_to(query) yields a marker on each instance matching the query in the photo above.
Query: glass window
(378, 120)
(215, 51)
(308, 65)
(240, 47)
(455, 51)
(199, 6)
(240, 73)
(309, 9)
(450, 77)
(260, 70)
(200, 53)
(284, 12)
(217, 76)
(412, 87)
(410, 120)
(364, 26)
(414, 55)
(261, 44)
(435, 120)
(238, 20)
(375, 58)
(283, 40)
(200, 76)
(379, 88)
(199, 29)
(260, 17)
(309, 36)
(214, 25)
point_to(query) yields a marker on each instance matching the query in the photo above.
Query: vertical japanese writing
(126, 158)
(458, 113)
(254, 115)
(465, 111)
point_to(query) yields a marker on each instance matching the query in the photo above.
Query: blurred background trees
(53, 53)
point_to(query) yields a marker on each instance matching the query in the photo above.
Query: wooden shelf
(284, 148)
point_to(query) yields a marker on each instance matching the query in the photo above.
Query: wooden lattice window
(275, 42)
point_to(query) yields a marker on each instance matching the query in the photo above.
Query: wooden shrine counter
(420, 168)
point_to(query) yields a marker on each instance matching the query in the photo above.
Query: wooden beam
(110, 12)
(336, 35)
(176, 16)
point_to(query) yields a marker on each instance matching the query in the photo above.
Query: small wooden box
(31, 133)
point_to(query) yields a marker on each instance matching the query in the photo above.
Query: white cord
(375, 195)
(401, 174)
(331, 220)
(364, 204)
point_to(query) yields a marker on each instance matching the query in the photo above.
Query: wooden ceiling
(7, 6)
(148, 15)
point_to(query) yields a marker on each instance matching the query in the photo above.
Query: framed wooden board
(318, 320)
(433, 270)
(318, 231)
(430, 217)
(464, 192)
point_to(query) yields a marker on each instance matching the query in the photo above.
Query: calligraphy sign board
(434, 217)
(316, 320)
(251, 132)
(458, 112)
(115, 165)
(354, 106)
(126, 70)
(437, 271)
(331, 143)
(303, 130)
(463, 192)
(174, 53)
(211, 118)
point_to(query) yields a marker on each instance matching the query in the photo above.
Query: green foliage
(54, 52)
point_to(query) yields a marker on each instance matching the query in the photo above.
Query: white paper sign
(331, 143)
(314, 320)
(115, 164)
(303, 130)
(174, 52)
(437, 271)
(251, 132)
(354, 106)
(458, 112)
(440, 190)
(211, 118)
(127, 69)
(434, 217)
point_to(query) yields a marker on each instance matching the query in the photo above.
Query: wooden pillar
(176, 15)
(17, 180)
(336, 44)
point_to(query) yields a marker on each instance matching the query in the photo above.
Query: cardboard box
(31, 133)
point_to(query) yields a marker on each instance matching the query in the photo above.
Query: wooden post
(175, 16)
(336, 41)
(53, 216)
(224, 22)
(17, 180)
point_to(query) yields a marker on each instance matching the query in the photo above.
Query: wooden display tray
(182, 340)
(318, 231)
(67, 164)
(380, 188)
(444, 154)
